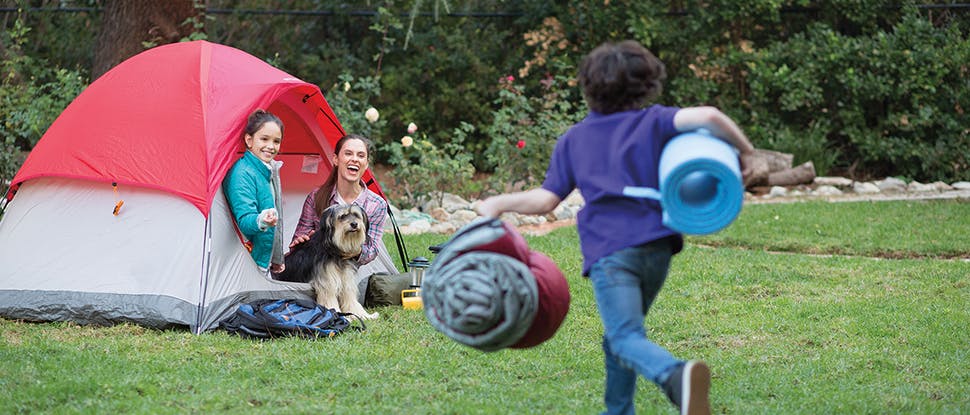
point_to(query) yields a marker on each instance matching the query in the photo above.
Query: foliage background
(863, 89)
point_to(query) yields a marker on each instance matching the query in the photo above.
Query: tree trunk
(127, 25)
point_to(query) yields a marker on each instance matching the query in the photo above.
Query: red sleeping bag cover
(553, 289)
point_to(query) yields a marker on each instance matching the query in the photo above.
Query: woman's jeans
(625, 284)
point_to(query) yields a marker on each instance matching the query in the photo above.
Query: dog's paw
(370, 316)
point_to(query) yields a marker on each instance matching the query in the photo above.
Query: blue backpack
(267, 319)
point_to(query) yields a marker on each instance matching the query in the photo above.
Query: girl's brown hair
(322, 199)
(257, 119)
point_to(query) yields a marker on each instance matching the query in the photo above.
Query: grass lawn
(805, 308)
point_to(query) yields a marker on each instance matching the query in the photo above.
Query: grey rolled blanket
(485, 289)
(481, 299)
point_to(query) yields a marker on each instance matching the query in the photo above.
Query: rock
(575, 199)
(439, 214)
(444, 227)
(510, 218)
(941, 186)
(406, 217)
(464, 216)
(891, 185)
(918, 187)
(840, 182)
(449, 202)
(961, 185)
(452, 203)
(827, 190)
(531, 220)
(777, 191)
(865, 187)
(564, 211)
(418, 226)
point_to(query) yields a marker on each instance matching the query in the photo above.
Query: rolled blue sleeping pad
(700, 184)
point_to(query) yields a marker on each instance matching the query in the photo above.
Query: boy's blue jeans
(625, 284)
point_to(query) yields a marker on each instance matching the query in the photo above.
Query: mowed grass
(903, 229)
(784, 333)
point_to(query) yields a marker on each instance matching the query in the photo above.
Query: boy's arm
(715, 121)
(530, 202)
(721, 126)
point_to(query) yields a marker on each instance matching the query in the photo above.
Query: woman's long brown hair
(322, 199)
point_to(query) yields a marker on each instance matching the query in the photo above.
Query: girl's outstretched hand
(269, 217)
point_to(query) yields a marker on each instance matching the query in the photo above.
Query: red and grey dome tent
(159, 131)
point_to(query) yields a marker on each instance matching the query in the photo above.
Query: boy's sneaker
(688, 386)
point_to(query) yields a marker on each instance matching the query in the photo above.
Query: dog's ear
(326, 218)
(328, 228)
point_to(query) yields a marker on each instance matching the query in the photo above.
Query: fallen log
(802, 174)
(776, 160)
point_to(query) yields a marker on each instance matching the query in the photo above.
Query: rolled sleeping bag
(701, 191)
(487, 290)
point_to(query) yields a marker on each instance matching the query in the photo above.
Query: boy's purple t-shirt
(601, 155)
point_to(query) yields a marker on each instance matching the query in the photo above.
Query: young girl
(626, 249)
(252, 188)
(344, 186)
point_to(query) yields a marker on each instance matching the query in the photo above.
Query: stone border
(454, 212)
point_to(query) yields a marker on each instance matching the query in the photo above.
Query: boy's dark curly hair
(620, 77)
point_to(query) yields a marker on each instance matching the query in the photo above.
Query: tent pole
(204, 274)
(5, 201)
(401, 249)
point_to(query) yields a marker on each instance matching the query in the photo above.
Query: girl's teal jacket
(248, 190)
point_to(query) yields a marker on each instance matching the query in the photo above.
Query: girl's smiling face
(265, 142)
(351, 160)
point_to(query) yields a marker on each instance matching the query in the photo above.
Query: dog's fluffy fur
(328, 260)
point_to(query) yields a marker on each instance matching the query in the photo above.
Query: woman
(345, 186)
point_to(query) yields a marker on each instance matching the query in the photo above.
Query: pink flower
(407, 141)
(412, 127)
(521, 143)
(510, 78)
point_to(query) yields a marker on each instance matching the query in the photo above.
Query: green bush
(350, 98)
(524, 131)
(32, 95)
(889, 102)
(425, 171)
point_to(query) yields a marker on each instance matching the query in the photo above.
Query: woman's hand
(301, 239)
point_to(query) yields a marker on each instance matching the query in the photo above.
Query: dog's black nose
(353, 225)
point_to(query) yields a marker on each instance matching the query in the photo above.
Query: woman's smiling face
(265, 142)
(351, 160)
